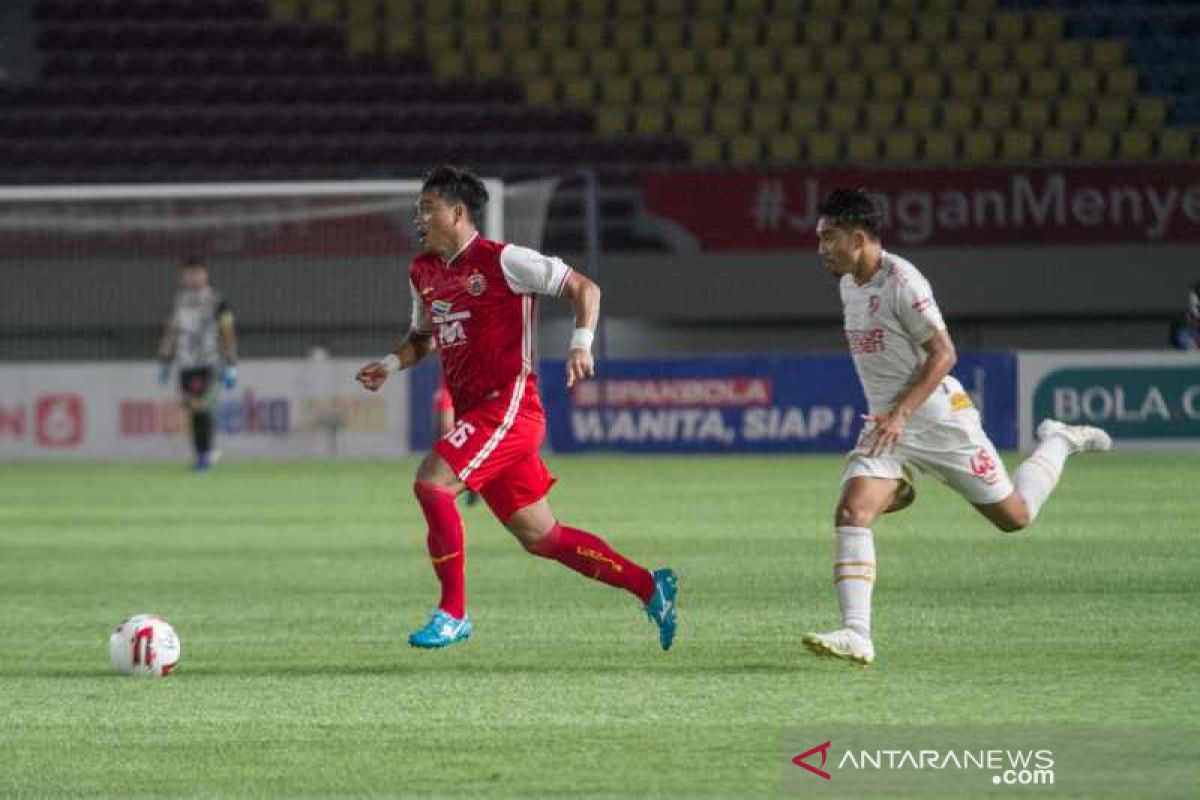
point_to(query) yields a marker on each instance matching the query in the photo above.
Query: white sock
(854, 576)
(1037, 476)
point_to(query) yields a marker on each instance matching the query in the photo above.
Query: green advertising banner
(1148, 399)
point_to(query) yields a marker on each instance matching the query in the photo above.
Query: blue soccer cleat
(661, 608)
(442, 630)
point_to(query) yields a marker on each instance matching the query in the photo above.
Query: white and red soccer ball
(144, 644)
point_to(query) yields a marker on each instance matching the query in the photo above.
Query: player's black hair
(851, 208)
(457, 185)
(192, 261)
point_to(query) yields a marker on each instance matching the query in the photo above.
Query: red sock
(591, 556)
(445, 542)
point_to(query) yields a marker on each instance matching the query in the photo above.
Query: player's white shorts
(945, 436)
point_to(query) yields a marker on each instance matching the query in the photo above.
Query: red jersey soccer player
(478, 298)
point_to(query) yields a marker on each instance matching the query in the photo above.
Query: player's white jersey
(886, 322)
(197, 320)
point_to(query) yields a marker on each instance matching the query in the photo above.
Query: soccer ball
(144, 644)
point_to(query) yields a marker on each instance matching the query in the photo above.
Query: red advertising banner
(939, 207)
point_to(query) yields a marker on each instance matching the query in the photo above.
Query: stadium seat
(745, 150)
(1056, 145)
(1072, 114)
(783, 149)
(617, 90)
(655, 89)
(728, 120)
(758, 61)
(967, 84)
(916, 56)
(682, 62)
(1111, 113)
(1029, 56)
(605, 64)
(803, 119)
(1174, 145)
(958, 115)
(900, 147)
(1095, 145)
(707, 150)
(939, 147)
(765, 118)
(881, 117)
(823, 148)
(991, 56)
(612, 120)
(876, 60)
(919, 116)
(841, 118)
(926, 86)
(996, 115)
(1004, 84)
(1134, 145)
(1033, 115)
(1008, 27)
(689, 121)
(733, 89)
(1149, 112)
(849, 87)
(811, 88)
(695, 89)
(1016, 146)
(1043, 83)
(720, 61)
(862, 148)
(837, 59)
(978, 147)
(887, 86)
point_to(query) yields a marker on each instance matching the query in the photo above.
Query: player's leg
(199, 398)
(436, 487)
(1038, 475)
(518, 498)
(443, 419)
(871, 486)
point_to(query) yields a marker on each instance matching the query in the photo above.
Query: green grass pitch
(294, 586)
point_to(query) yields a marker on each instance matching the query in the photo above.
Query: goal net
(312, 270)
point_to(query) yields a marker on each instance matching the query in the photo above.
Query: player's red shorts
(494, 448)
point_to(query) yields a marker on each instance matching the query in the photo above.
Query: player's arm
(412, 348)
(226, 334)
(584, 296)
(530, 272)
(227, 341)
(941, 359)
(166, 347)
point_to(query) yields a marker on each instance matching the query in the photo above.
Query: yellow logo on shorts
(960, 400)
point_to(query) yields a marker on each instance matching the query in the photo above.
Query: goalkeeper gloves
(229, 377)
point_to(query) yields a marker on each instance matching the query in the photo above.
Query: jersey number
(462, 431)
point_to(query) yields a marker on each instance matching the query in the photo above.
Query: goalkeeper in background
(199, 336)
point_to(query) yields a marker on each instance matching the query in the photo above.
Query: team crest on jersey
(873, 304)
(441, 307)
(476, 284)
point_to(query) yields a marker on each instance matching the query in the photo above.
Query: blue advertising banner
(765, 404)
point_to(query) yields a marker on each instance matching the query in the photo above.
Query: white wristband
(391, 363)
(582, 338)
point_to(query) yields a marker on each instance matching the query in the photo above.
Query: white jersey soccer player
(920, 418)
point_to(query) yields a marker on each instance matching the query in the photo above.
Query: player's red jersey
(484, 331)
